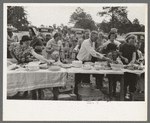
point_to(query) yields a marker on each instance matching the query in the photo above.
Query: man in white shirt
(85, 54)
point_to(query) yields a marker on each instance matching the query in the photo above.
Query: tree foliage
(118, 13)
(82, 20)
(119, 19)
(17, 16)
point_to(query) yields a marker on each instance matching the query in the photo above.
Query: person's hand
(115, 62)
(99, 49)
(49, 50)
(107, 59)
(131, 63)
(74, 50)
(50, 61)
(126, 60)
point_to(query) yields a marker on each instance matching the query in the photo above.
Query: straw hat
(130, 36)
(10, 28)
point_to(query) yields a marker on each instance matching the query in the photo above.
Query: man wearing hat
(11, 38)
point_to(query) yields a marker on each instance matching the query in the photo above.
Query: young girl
(112, 53)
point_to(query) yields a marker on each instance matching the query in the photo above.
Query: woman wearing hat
(11, 38)
(128, 56)
(128, 50)
(23, 53)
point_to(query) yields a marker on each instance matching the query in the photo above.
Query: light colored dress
(56, 46)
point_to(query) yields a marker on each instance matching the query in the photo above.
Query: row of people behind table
(127, 55)
(126, 50)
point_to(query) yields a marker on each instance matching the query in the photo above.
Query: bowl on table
(54, 68)
(32, 66)
(77, 64)
(43, 66)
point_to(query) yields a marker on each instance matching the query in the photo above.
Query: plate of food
(116, 66)
(66, 65)
(12, 67)
(43, 66)
(134, 67)
(86, 67)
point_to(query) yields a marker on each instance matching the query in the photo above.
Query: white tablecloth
(30, 80)
(138, 72)
(93, 71)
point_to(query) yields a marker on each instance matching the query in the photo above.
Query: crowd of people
(87, 47)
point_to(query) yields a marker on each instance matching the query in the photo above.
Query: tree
(104, 26)
(17, 16)
(136, 26)
(136, 21)
(118, 13)
(82, 20)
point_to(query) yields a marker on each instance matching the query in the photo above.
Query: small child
(112, 53)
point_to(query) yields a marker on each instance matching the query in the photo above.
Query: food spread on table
(134, 67)
(55, 66)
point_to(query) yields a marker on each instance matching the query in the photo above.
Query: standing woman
(128, 57)
(54, 48)
(111, 39)
(36, 41)
(101, 40)
(11, 38)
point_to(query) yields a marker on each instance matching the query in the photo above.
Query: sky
(49, 14)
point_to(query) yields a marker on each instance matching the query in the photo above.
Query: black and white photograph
(74, 57)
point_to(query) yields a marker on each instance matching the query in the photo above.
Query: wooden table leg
(55, 92)
(122, 88)
(110, 87)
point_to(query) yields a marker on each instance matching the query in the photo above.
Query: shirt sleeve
(103, 46)
(91, 50)
(48, 44)
(119, 61)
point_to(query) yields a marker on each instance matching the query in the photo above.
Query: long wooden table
(30, 80)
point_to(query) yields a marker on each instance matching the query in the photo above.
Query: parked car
(45, 33)
(138, 34)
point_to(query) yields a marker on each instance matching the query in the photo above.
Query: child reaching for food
(113, 54)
